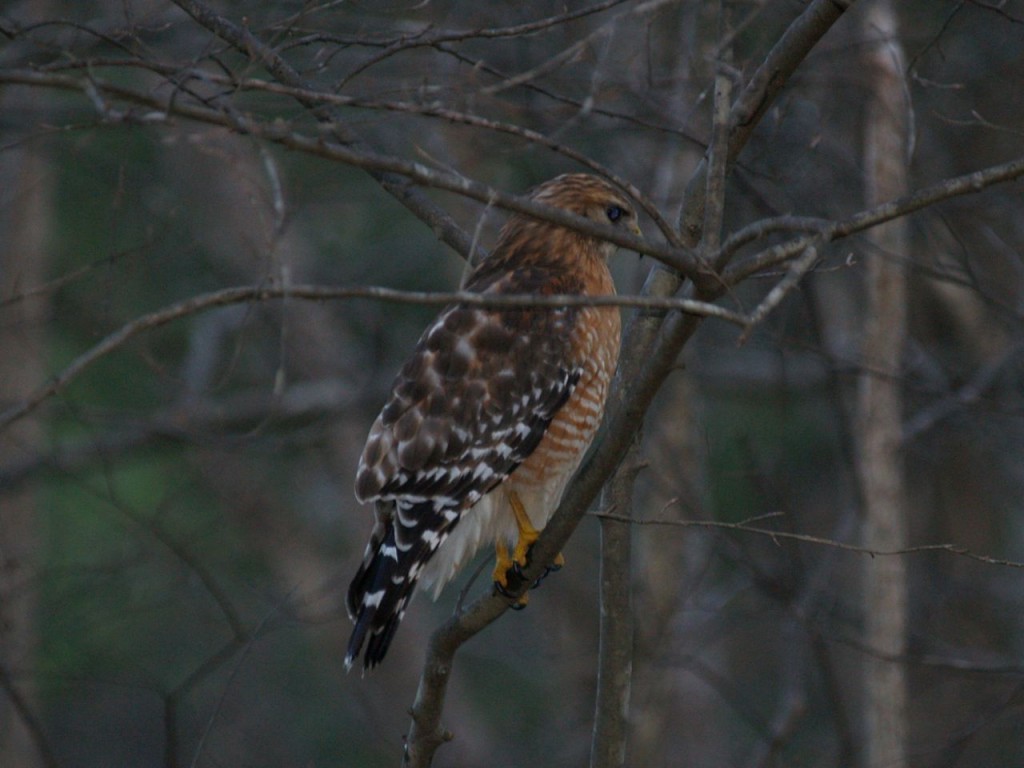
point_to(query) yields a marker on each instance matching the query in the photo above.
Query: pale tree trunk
(26, 213)
(615, 653)
(880, 404)
(25, 208)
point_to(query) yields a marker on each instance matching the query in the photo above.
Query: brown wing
(474, 399)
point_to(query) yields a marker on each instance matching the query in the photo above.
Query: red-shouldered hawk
(491, 415)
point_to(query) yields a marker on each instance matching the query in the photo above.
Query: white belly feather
(489, 521)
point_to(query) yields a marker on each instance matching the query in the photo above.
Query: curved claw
(547, 571)
(501, 589)
(517, 603)
(556, 565)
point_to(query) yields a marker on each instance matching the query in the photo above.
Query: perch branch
(635, 385)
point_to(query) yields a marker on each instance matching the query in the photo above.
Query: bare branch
(228, 296)
(745, 526)
(795, 273)
(196, 420)
(282, 133)
(242, 653)
(28, 718)
(762, 88)
(564, 56)
(426, 733)
(967, 184)
(570, 53)
(718, 152)
(397, 186)
(970, 392)
(465, 118)
(435, 37)
(580, 106)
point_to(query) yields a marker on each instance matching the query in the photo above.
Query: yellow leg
(527, 533)
(512, 563)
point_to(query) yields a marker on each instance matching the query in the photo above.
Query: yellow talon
(502, 564)
(506, 563)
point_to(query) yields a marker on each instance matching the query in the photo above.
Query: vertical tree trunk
(880, 402)
(24, 215)
(615, 656)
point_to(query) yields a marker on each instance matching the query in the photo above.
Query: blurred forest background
(177, 521)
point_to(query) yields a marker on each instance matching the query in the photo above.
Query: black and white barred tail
(405, 539)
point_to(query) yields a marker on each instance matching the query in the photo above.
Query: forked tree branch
(679, 257)
(283, 134)
(646, 364)
(829, 231)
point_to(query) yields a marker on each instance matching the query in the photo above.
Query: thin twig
(819, 540)
(822, 541)
(248, 44)
(795, 273)
(28, 718)
(969, 393)
(968, 183)
(244, 651)
(196, 420)
(434, 37)
(283, 134)
(569, 54)
(255, 293)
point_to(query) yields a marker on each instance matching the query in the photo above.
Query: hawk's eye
(615, 212)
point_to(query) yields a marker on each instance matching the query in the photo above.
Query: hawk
(491, 415)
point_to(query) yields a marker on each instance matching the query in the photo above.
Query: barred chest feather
(541, 479)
